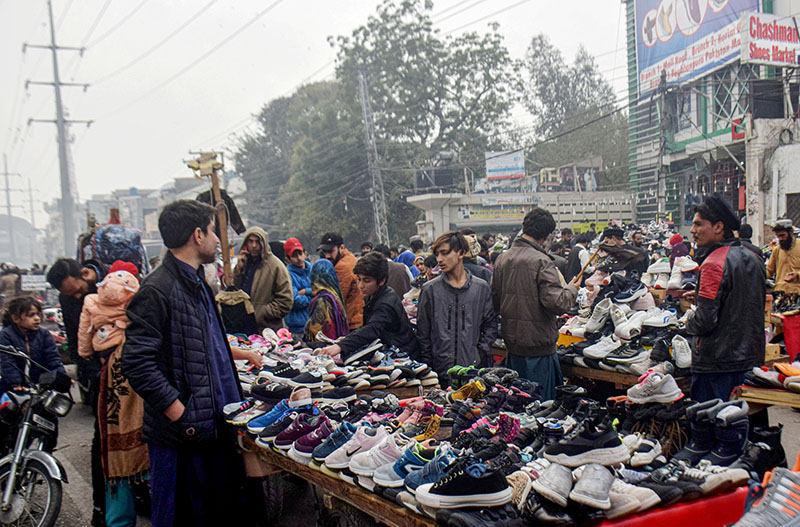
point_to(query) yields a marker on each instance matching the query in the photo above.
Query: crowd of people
(155, 353)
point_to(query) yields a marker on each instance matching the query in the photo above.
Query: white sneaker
(599, 316)
(602, 347)
(572, 324)
(661, 281)
(583, 298)
(655, 388)
(648, 279)
(638, 367)
(617, 316)
(660, 318)
(681, 352)
(685, 264)
(632, 327)
(675, 278)
(659, 267)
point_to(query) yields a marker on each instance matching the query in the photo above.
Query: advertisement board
(505, 165)
(686, 38)
(769, 39)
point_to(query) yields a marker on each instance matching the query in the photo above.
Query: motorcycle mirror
(56, 380)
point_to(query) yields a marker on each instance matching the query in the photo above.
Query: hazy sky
(147, 117)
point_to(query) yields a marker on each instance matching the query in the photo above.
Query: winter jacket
(103, 320)
(529, 294)
(781, 262)
(384, 319)
(729, 320)
(399, 277)
(271, 292)
(38, 345)
(574, 263)
(296, 319)
(455, 325)
(165, 356)
(353, 301)
(478, 270)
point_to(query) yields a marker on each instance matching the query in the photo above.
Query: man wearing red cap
(300, 273)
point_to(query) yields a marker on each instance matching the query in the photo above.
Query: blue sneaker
(339, 437)
(393, 474)
(431, 472)
(257, 425)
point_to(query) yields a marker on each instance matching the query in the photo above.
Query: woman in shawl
(326, 310)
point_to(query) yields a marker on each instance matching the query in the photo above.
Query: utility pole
(661, 186)
(377, 196)
(10, 220)
(33, 216)
(67, 183)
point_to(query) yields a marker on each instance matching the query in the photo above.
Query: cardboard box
(658, 295)
(773, 352)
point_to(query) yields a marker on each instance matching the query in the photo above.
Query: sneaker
(593, 487)
(590, 444)
(270, 392)
(646, 452)
(647, 498)
(306, 380)
(343, 393)
(632, 327)
(659, 267)
(779, 504)
(505, 516)
(365, 353)
(466, 484)
(602, 347)
(521, 485)
(471, 390)
(343, 433)
(661, 281)
(627, 354)
(414, 458)
(599, 316)
(431, 423)
(302, 425)
(268, 434)
(655, 388)
(731, 426)
(617, 315)
(300, 396)
(660, 318)
(431, 472)
(304, 446)
(364, 439)
(685, 264)
(231, 410)
(555, 484)
(633, 291)
(389, 450)
(258, 424)
(681, 352)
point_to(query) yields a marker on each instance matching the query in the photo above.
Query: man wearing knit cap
(677, 248)
(728, 322)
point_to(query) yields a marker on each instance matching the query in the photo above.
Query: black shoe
(507, 462)
(98, 517)
(467, 483)
(591, 444)
(758, 458)
(730, 433)
(526, 436)
(669, 494)
(502, 516)
(701, 422)
(344, 393)
(271, 392)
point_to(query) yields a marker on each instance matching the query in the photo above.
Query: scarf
(326, 310)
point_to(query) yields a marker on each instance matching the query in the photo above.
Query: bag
(111, 242)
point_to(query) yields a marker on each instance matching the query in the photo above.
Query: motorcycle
(30, 476)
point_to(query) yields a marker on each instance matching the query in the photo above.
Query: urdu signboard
(686, 38)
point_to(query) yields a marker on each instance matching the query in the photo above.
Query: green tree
(570, 101)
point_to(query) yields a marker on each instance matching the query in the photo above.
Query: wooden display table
(759, 398)
(378, 508)
(621, 381)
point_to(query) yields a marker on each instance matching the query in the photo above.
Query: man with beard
(784, 263)
(637, 240)
(332, 247)
(728, 323)
(177, 358)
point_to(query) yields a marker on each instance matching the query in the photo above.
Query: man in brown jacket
(529, 292)
(332, 247)
(260, 274)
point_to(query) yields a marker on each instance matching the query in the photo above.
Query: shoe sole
(362, 353)
(392, 484)
(330, 472)
(297, 457)
(309, 385)
(329, 400)
(603, 456)
(591, 501)
(424, 497)
(549, 493)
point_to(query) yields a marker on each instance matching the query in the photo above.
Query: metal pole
(379, 199)
(661, 202)
(33, 218)
(67, 201)
(12, 248)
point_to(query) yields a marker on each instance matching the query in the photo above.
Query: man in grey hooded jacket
(456, 321)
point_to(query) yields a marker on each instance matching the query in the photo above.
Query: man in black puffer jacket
(177, 359)
(729, 320)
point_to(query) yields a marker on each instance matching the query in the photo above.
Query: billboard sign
(505, 165)
(770, 40)
(686, 38)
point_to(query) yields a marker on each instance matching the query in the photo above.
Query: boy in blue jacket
(300, 273)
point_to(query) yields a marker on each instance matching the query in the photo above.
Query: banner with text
(505, 165)
(769, 39)
(686, 38)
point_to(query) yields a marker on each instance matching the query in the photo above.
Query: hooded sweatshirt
(271, 286)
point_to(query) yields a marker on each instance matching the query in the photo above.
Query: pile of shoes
(681, 275)
(781, 376)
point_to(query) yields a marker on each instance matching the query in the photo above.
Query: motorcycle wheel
(36, 500)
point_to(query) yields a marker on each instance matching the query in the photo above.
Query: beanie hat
(675, 240)
(119, 265)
